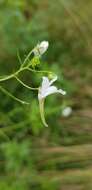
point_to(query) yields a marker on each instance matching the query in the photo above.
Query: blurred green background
(31, 156)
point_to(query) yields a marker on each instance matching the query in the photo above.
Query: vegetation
(31, 155)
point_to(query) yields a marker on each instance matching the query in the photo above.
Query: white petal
(53, 80)
(51, 90)
(62, 92)
(45, 83)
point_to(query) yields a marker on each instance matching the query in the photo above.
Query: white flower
(45, 90)
(67, 111)
(41, 48)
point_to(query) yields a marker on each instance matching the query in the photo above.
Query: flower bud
(67, 111)
(41, 48)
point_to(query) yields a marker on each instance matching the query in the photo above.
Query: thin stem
(12, 75)
(25, 85)
(13, 97)
(37, 71)
(20, 70)
(26, 59)
(19, 58)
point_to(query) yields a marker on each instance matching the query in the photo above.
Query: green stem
(20, 70)
(13, 97)
(12, 75)
(26, 59)
(37, 71)
(21, 82)
(19, 58)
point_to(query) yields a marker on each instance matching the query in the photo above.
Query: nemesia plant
(46, 87)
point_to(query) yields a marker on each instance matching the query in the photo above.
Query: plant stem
(21, 82)
(26, 59)
(13, 97)
(37, 71)
(12, 75)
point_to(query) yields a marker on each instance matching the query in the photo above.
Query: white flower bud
(41, 48)
(67, 111)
